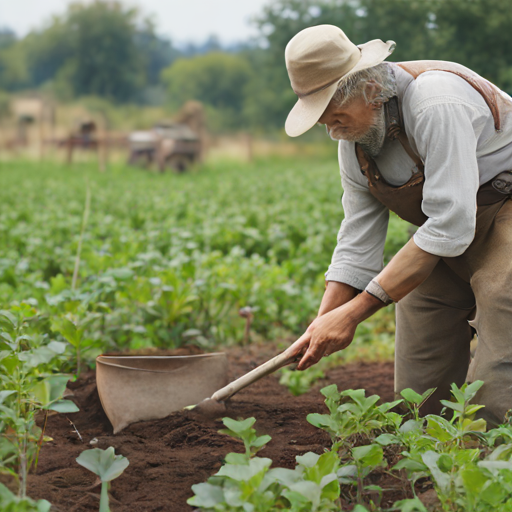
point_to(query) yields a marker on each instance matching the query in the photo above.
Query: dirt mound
(168, 456)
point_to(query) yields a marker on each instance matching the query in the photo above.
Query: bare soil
(168, 456)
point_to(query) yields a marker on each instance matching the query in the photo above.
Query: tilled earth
(168, 456)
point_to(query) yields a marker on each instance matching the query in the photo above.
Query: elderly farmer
(431, 141)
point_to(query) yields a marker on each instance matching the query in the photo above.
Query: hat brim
(308, 109)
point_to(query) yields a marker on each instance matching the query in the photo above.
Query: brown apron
(405, 200)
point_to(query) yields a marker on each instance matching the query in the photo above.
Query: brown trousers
(433, 331)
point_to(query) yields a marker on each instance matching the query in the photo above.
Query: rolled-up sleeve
(358, 256)
(445, 136)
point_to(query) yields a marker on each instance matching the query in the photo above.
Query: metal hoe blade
(140, 388)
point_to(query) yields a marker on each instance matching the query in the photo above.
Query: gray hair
(354, 84)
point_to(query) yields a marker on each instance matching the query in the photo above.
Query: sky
(181, 20)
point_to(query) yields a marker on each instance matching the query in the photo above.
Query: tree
(105, 61)
(14, 73)
(47, 50)
(217, 79)
(100, 48)
(475, 33)
(7, 38)
(157, 53)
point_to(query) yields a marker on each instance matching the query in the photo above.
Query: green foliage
(107, 465)
(72, 327)
(468, 476)
(9, 502)
(105, 58)
(413, 401)
(246, 482)
(464, 412)
(4, 104)
(216, 79)
(14, 72)
(99, 48)
(351, 412)
(27, 386)
(243, 430)
(469, 472)
(299, 383)
(170, 260)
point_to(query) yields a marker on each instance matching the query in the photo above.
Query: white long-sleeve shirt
(451, 128)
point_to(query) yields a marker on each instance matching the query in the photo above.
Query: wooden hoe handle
(261, 371)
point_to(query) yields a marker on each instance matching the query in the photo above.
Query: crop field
(133, 262)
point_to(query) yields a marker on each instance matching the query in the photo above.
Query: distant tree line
(105, 49)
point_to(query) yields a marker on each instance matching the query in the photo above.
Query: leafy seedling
(243, 430)
(351, 412)
(107, 465)
(73, 330)
(464, 412)
(299, 383)
(49, 391)
(414, 401)
(28, 386)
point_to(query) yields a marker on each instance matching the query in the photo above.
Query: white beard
(372, 140)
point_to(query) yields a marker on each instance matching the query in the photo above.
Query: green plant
(414, 401)
(313, 484)
(299, 383)
(28, 386)
(471, 470)
(351, 412)
(246, 482)
(107, 465)
(366, 458)
(9, 502)
(73, 330)
(243, 430)
(463, 412)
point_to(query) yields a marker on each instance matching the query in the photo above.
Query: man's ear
(373, 93)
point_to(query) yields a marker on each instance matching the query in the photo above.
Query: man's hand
(334, 328)
(333, 331)
(327, 334)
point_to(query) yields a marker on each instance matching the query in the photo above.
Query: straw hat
(317, 58)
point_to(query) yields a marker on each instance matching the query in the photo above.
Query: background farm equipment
(168, 145)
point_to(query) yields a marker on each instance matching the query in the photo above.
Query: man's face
(356, 121)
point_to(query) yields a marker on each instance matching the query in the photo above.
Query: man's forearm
(407, 270)
(339, 314)
(335, 295)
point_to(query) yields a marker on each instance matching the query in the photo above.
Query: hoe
(140, 388)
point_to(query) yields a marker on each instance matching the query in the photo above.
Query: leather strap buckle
(503, 183)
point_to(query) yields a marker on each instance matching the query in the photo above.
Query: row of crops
(165, 260)
(467, 468)
(128, 260)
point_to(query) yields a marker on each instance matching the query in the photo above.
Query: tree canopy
(475, 33)
(102, 49)
(108, 50)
